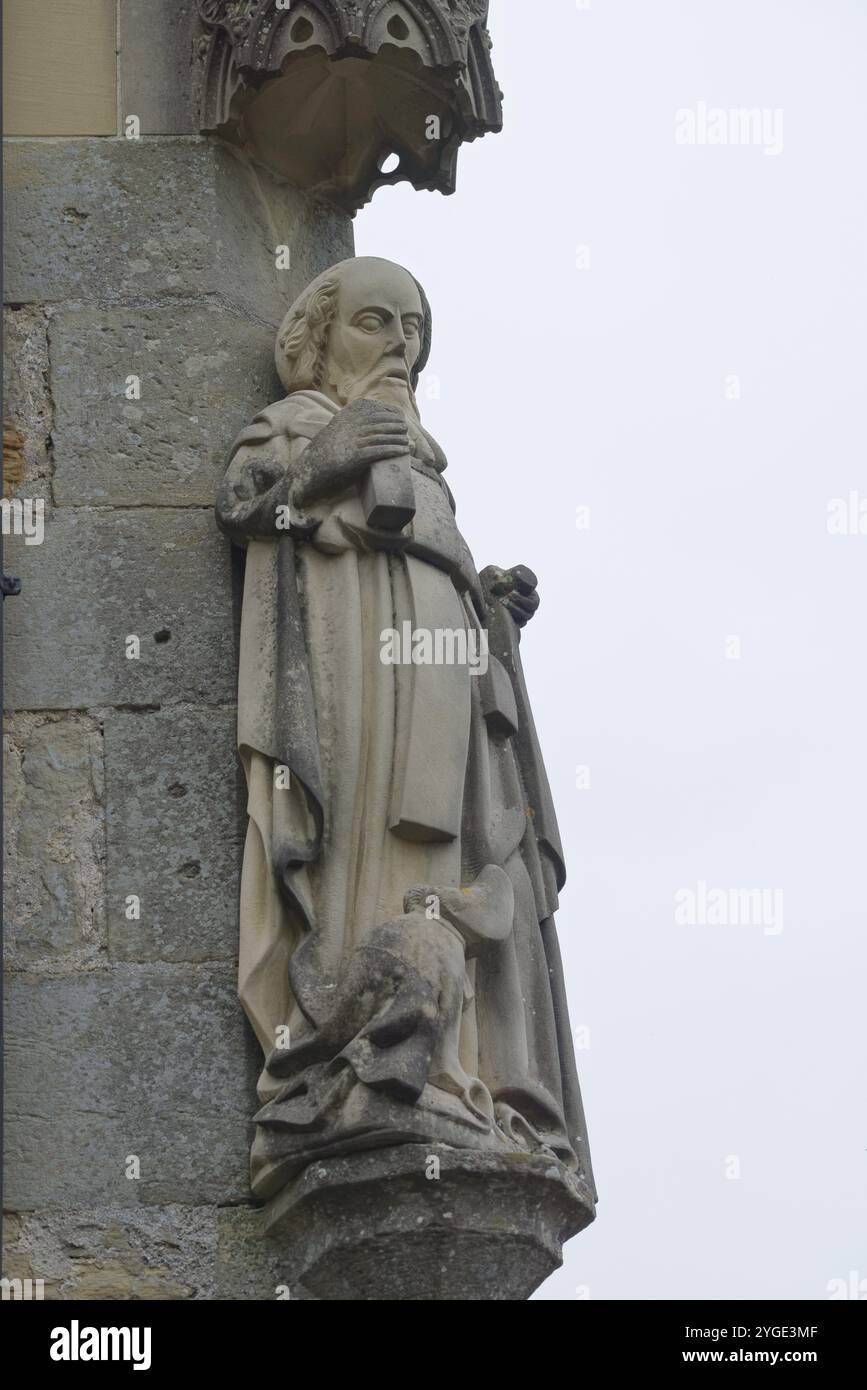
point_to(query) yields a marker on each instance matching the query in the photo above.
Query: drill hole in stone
(398, 28)
(301, 31)
(389, 163)
(163, 635)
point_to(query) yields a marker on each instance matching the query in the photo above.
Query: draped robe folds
(365, 780)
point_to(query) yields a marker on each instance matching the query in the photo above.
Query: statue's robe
(397, 776)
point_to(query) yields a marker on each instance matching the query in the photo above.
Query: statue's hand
(514, 588)
(360, 435)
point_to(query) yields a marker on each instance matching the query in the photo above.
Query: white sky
(606, 388)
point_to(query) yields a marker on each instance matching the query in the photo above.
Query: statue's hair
(302, 339)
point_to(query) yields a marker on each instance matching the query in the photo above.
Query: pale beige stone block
(60, 67)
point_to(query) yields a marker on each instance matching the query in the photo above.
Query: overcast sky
(672, 335)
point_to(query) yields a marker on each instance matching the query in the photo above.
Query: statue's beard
(389, 390)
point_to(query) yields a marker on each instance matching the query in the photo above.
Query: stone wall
(151, 258)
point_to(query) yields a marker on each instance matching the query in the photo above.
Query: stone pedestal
(381, 1226)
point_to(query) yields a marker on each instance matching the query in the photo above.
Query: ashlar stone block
(148, 399)
(124, 1071)
(54, 843)
(101, 578)
(174, 835)
(132, 220)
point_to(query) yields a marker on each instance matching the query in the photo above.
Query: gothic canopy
(343, 96)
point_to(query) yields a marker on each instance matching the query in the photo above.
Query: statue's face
(375, 336)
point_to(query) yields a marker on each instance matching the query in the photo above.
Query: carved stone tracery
(323, 92)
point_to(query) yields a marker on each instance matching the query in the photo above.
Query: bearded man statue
(398, 959)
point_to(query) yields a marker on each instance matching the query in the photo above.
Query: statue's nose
(397, 339)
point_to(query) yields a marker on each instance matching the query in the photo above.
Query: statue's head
(361, 329)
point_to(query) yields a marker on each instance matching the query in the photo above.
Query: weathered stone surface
(202, 372)
(117, 220)
(248, 1267)
(131, 1061)
(54, 843)
(156, 45)
(320, 235)
(100, 576)
(124, 1253)
(116, 1253)
(26, 400)
(415, 1223)
(174, 835)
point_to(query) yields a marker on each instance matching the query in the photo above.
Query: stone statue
(398, 959)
